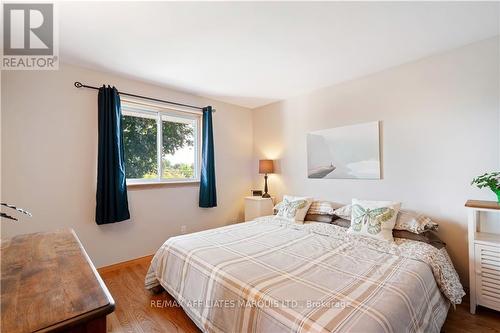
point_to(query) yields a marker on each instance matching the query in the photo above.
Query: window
(161, 145)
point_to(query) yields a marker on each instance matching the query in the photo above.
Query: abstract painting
(351, 152)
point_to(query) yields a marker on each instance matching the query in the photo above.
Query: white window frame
(130, 107)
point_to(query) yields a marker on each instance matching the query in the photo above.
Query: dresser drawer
(488, 275)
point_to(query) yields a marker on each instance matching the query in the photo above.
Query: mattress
(270, 275)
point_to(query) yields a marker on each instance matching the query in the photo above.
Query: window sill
(162, 183)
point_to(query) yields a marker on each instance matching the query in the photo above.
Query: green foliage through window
(140, 134)
(139, 138)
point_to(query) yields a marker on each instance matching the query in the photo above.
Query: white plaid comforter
(272, 276)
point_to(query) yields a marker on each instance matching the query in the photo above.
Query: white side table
(484, 258)
(258, 206)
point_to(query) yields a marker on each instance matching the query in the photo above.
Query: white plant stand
(484, 258)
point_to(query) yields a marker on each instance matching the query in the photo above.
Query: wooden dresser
(484, 258)
(48, 283)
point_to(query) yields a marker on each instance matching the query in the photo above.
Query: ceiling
(255, 53)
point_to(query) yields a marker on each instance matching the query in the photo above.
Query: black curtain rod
(80, 85)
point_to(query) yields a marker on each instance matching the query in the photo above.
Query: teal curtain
(111, 196)
(208, 192)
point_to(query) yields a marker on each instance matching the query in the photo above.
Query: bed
(270, 275)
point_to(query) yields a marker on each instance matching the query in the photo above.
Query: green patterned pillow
(293, 208)
(374, 218)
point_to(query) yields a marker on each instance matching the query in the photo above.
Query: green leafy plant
(140, 143)
(490, 180)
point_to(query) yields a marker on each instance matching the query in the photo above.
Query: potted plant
(490, 180)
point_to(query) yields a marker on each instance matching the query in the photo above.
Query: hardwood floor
(461, 321)
(134, 311)
(137, 309)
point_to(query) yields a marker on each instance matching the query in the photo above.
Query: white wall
(440, 128)
(49, 149)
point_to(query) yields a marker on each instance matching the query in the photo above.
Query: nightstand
(258, 206)
(484, 258)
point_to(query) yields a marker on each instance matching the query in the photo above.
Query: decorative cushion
(414, 222)
(406, 220)
(293, 208)
(343, 212)
(318, 218)
(374, 219)
(321, 208)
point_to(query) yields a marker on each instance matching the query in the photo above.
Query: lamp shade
(266, 166)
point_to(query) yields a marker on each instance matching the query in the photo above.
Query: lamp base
(265, 195)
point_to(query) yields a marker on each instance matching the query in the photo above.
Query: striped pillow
(321, 208)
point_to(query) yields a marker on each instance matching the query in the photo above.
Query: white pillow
(374, 219)
(414, 222)
(343, 212)
(293, 208)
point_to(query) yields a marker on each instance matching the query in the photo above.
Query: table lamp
(265, 167)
